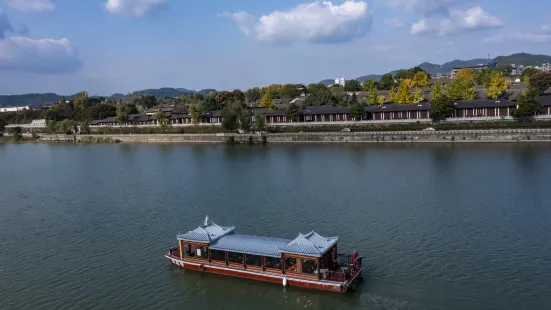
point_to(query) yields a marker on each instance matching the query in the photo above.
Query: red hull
(263, 276)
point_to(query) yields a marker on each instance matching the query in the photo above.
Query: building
(546, 67)
(340, 81)
(14, 109)
(476, 68)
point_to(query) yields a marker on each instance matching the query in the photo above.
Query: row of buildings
(391, 112)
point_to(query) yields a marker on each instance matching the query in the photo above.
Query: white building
(340, 81)
(14, 109)
(546, 67)
(36, 123)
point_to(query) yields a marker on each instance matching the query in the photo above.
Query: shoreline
(455, 136)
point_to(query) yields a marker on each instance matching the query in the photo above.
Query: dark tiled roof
(545, 100)
(324, 110)
(179, 115)
(269, 112)
(394, 107)
(469, 104)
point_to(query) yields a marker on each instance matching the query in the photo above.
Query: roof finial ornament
(207, 220)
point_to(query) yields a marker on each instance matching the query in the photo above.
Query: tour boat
(309, 260)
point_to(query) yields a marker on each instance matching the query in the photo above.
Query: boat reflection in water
(310, 260)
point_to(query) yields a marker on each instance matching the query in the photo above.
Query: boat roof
(310, 244)
(206, 233)
(252, 245)
(223, 239)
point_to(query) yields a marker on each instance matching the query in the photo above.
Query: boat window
(291, 264)
(272, 262)
(189, 250)
(218, 255)
(202, 252)
(254, 260)
(235, 258)
(309, 266)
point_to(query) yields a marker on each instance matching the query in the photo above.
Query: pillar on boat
(180, 246)
(319, 274)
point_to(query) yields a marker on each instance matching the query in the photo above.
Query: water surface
(440, 226)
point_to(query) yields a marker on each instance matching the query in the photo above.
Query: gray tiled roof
(394, 107)
(254, 245)
(206, 233)
(468, 104)
(310, 244)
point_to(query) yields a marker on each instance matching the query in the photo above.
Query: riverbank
(452, 136)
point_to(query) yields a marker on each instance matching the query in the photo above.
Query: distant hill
(518, 59)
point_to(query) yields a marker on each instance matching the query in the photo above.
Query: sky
(119, 46)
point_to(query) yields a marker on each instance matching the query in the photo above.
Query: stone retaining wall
(505, 135)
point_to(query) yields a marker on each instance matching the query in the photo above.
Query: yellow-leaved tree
(418, 95)
(465, 74)
(403, 93)
(267, 101)
(420, 79)
(392, 95)
(381, 100)
(497, 86)
(436, 91)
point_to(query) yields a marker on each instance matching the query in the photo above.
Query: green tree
(162, 121)
(253, 94)
(387, 82)
(354, 100)
(528, 104)
(356, 111)
(52, 126)
(293, 112)
(352, 86)
(404, 74)
(497, 86)
(210, 102)
(196, 112)
(122, 114)
(289, 91)
(259, 121)
(319, 94)
(540, 82)
(231, 115)
(244, 120)
(145, 101)
(238, 95)
(223, 98)
(85, 128)
(441, 108)
(527, 73)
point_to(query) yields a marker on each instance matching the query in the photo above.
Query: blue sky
(108, 46)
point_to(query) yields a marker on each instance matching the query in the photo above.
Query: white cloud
(31, 5)
(472, 19)
(134, 8)
(546, 29)
(39, 56)
(394, 22)
(318, 22)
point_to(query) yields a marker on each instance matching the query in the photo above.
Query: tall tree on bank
(293, 112)
(441, 108)
(386, 82)
(356, 111)
(196, 112)
(527, 103)
(497, 86)
(122, 114)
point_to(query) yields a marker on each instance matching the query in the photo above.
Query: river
(439, 226)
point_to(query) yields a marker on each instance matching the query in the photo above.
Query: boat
(309, 261)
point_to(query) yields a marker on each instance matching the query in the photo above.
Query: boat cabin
(308, 256)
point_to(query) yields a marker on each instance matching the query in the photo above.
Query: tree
(386, 82)
(436, 91)
(527, 103)
(404, 74)
(99, 111)
(289, 91)
(52, 126)
(465, 74)
(540, 81)
(81, 100)
(483, 77)
(238, 95)
(372, 97)
(441, 108)
(461, 89)
(232, 114)
(356, 111)
(497, 86)
(122, 114)
(267, 101)
(253, 94)
(527, 73)
(85, 128)
(259, 121)
(210, 102)
(403, 93)
(145, 101)
(381, 100)
(293, 112)
(368, 85)
(223, 98)
(162, 121)
(352, 86)
(418, 95)
(354, 100)
(420, 79)
(196, 112)
(319, 94)
(392, 95)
